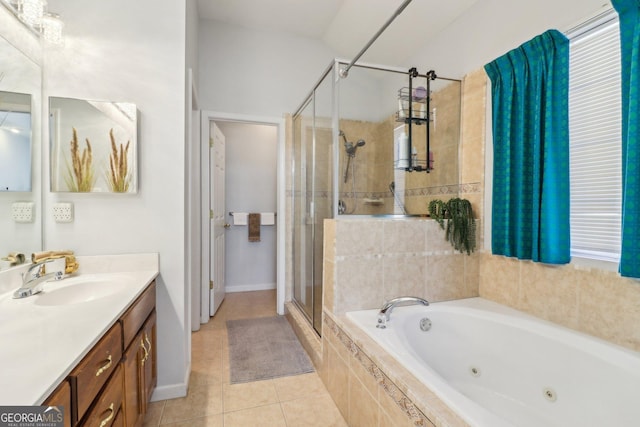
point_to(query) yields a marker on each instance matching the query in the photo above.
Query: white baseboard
(249, 288)
(172, 391)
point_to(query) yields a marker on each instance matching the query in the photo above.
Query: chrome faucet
(387, 308)
(33, 280)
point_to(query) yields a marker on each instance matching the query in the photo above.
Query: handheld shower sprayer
(350, 147)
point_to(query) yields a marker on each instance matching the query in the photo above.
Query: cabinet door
(150, 371)
(134, 406)
(62, 397)
(140, 372)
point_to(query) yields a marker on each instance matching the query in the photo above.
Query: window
(595, 140)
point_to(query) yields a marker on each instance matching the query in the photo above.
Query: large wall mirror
(15, 141)
(20, 138)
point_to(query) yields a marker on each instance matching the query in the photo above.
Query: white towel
(240, 218)
(267, 218)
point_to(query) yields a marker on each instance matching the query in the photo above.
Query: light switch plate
(63, 212)
(22, 211)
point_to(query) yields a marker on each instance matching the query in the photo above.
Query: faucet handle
(382, 321)
(58, 266)
(38, 269)
(34, 270)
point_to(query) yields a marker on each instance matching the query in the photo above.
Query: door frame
(212, 116)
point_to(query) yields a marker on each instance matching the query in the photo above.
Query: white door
(218, 224)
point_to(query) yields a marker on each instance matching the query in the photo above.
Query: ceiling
(344, 25)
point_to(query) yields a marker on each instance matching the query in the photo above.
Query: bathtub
(495, 366)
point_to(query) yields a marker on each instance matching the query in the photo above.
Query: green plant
(460, 225)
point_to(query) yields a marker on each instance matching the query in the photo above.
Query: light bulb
(51, 28)
(31, 11)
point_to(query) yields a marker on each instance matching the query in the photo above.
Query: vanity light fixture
(35, 15)
(31, 11)
(51, 29)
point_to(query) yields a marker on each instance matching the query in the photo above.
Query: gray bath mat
(264, 348)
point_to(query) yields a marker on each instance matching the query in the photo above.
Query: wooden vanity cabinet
(139, 361)
(62, 397)
(113, 383)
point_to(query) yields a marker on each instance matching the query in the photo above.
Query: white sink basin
(79, 290)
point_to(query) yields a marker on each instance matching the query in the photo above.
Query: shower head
(351, 148)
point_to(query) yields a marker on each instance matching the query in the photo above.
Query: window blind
(595, 142)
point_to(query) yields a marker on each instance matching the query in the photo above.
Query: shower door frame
(331, 73)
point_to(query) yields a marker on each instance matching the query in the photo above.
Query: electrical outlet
(22, 211)
(63, 212)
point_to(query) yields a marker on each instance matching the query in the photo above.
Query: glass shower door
(313, 199)
(303, 210)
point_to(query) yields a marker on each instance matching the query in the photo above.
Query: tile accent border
(451, 190)
(415, 415)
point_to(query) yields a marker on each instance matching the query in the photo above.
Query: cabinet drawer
(62, 397)
(119, 419)
(93, 371)
(133, 319)
(108, 404)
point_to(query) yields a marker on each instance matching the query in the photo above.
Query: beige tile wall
(472, 142)
(368, 261)
(373, 162)
(590, 300)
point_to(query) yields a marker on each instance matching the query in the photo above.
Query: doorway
(246, 263)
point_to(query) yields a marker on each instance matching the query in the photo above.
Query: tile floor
(295, 401)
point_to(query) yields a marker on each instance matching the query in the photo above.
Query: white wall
(192, 170)
(257, 72)
(118, 51)
(192, 38)
(490, 28)
(251, 159)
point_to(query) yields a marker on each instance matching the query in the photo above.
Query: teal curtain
(629, 13)
(530, 213)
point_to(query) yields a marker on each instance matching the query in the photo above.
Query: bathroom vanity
(87, 343)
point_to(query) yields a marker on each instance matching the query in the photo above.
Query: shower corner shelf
(419, 108)
(373, 201)
(414, 109)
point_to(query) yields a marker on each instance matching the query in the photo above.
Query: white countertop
(43, 338)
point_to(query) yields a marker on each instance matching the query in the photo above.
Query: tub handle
(382, 321)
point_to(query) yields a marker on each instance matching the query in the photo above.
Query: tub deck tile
(398, 392)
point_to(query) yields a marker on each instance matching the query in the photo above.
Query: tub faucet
(387, 308)
(33, 280)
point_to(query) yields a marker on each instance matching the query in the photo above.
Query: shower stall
(381, 141)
